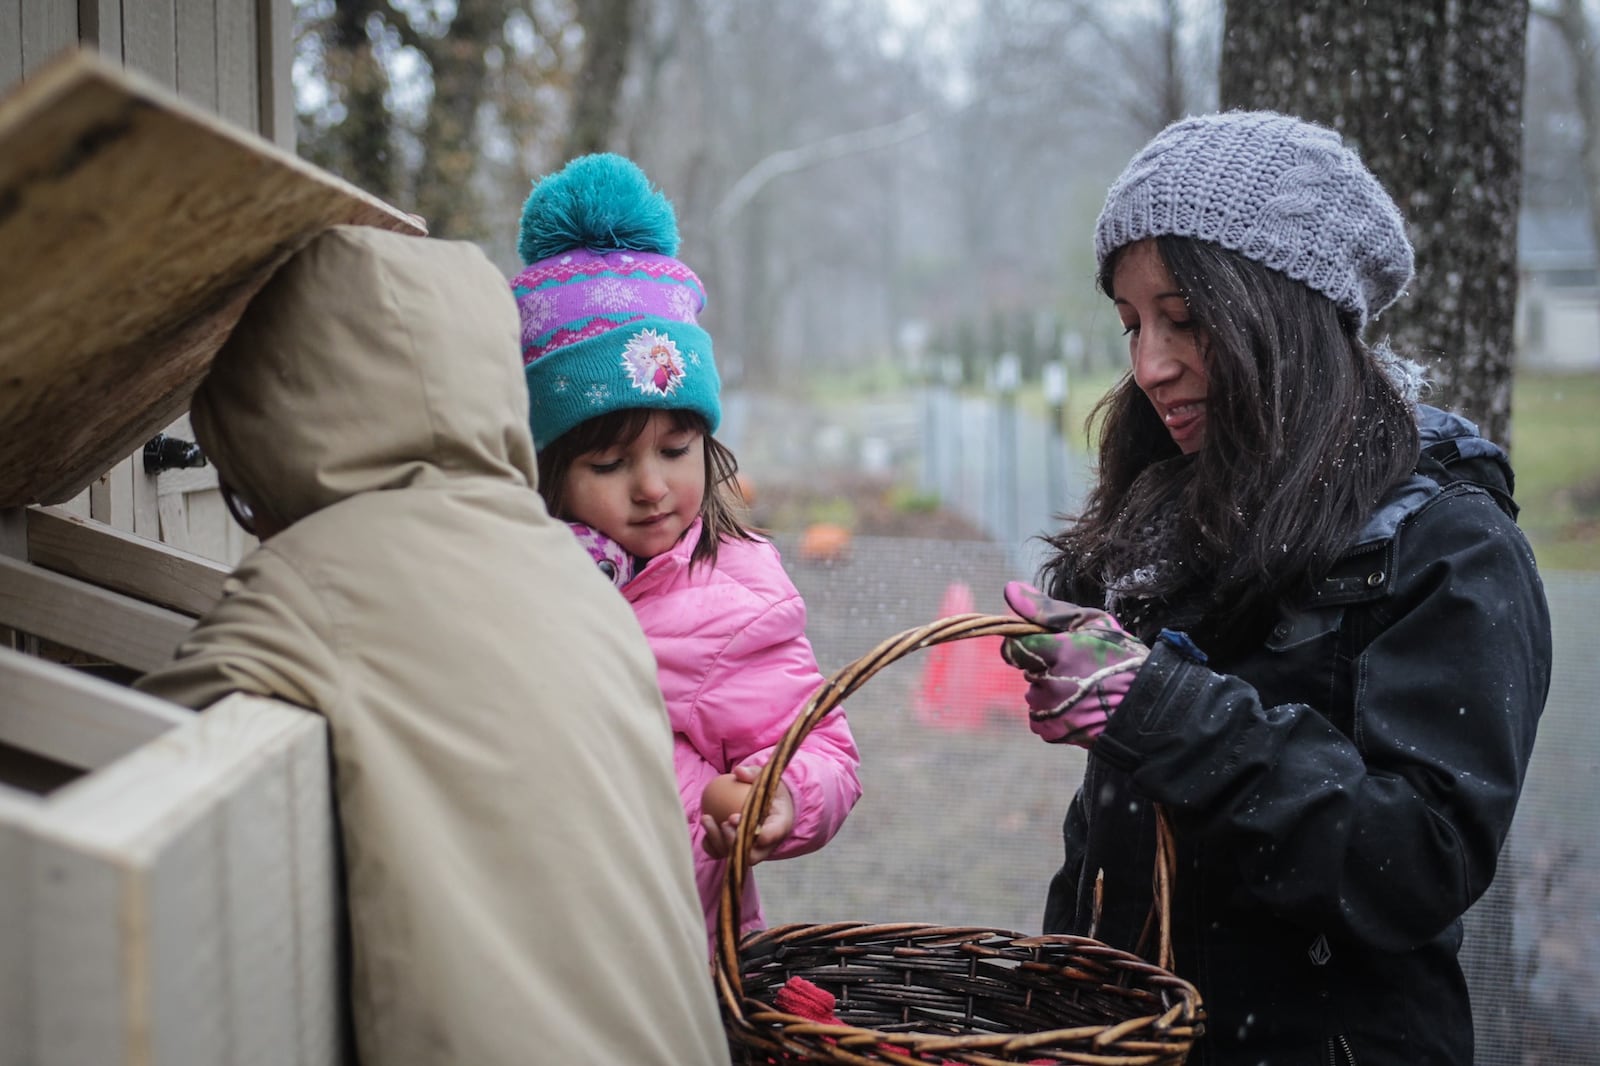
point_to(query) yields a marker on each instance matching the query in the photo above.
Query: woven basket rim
(1162, 1037)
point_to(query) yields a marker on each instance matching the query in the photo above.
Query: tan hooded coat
(518, 869)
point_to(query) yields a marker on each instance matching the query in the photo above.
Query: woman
(1296, 613)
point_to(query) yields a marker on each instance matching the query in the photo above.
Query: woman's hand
(721, 807)
(1077, 674)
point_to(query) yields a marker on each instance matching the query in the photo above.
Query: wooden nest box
(167, 880)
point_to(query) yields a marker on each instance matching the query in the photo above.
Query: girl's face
(1164, 345)
(643, 494)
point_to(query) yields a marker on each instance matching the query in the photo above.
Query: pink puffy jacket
(735, 666)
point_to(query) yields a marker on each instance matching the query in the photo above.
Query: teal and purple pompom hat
(609, 317)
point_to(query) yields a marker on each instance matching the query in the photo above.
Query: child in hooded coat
(368, 422)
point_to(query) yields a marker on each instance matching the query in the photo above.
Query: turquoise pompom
(602, 202)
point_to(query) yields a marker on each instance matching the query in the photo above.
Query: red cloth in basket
(806, 1000)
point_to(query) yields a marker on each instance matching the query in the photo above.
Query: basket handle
(832, 692)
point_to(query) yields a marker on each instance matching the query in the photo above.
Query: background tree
(844, 174)
(608, 33)
(1430, 93)
(437, 108)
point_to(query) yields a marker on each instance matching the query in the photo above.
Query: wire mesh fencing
(960, 818)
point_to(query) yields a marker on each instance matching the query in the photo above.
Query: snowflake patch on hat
(684, 303)
(538, 309)
(653, 364)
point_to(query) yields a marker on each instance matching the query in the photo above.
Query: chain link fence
(960, 818)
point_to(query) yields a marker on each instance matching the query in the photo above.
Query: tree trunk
(607, 37)
(359, 143)
(446, 196)
(1430, 93)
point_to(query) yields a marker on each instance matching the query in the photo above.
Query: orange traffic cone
(964, 681)
(825, 542)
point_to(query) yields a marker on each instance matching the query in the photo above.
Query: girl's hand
(718, 841)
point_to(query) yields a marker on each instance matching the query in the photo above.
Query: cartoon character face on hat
(609, 317)
(652, 362)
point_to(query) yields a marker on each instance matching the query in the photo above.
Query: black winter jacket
(1340, 791)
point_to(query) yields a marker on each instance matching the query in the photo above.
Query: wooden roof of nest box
(135, 229)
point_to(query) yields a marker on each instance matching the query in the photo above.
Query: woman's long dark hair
(722, 506)
(1304, 434)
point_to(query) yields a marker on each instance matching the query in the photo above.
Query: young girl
(623, 399)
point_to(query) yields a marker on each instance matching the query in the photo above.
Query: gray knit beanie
(1279, 190)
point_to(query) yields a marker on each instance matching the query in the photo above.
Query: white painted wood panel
(100, 25)
(150, 40)
(76, 719)
(238, 77)
(179, 904)
(78, 505)
(10, 47)
(275, 40)
(47, 27)
(111, 496)
(197, 51)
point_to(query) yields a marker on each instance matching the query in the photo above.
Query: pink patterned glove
(614, 561)
(1077, 674)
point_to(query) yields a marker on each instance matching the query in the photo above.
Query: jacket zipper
(1337, 1044)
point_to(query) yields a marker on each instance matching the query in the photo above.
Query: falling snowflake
(608, 294)
(652, 362)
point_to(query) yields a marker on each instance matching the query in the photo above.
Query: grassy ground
(1556, 452)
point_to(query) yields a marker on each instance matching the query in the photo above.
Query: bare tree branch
(791, 160)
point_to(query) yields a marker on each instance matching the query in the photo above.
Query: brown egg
(723, 797)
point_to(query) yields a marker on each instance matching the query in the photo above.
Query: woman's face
(1164, 344)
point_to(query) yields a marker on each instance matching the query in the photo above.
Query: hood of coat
(1435, 426)
(1470, 457)
(370, 361)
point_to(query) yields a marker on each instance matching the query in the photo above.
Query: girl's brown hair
(723, 506)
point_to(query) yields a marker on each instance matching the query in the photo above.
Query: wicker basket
(915, 994)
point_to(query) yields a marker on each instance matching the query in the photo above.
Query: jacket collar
(663, 568)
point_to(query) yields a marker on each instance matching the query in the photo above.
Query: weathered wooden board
(179, 905)
(62, 609)
(136, 227)
(154, 572)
